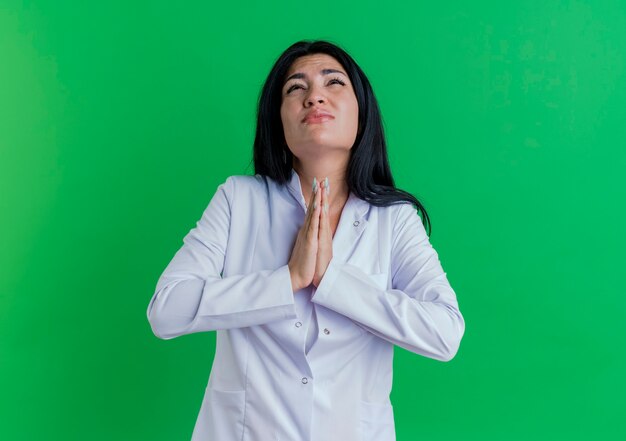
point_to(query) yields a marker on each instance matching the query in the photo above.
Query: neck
(320, 170)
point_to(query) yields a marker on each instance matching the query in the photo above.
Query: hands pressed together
(313, 249)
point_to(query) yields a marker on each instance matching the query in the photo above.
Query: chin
(328, 140)
(315, 151)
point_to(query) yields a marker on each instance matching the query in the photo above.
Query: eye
(295, 86)
(332, 81)
(337, 80)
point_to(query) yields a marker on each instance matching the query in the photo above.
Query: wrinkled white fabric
(315, 364)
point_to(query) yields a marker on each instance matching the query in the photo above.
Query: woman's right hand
(304, 254)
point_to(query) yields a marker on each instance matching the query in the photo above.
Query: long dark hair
(368, 175)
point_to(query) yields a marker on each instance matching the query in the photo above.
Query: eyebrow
(299, 75)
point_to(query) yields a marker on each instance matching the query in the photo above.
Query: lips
(316, 116)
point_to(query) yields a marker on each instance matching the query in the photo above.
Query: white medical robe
(316, 364)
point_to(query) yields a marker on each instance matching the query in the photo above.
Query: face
(319, 84)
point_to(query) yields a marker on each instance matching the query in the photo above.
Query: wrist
(295, 283)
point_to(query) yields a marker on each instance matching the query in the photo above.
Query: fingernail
(327, 186)
(326, 207)
(314, 185)
(314, 205)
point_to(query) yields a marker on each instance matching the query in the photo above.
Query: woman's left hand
(325, 236)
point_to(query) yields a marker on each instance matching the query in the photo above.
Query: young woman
(311, 270)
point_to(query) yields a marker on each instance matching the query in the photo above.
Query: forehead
(314, 62)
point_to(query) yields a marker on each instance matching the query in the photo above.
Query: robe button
(305, 380)
(326, 331)
(356, 223)
(298, 324)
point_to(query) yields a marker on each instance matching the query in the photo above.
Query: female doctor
(311, 270)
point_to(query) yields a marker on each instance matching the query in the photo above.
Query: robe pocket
(226, 413)
(376, 421)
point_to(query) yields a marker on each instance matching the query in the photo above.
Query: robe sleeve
(419, 312)
(192, 296)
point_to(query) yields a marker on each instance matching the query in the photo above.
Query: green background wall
(118, 120)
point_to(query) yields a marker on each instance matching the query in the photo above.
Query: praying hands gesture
(313, 249)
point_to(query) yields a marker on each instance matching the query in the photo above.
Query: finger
(324, 233)
(323, 200)
(309, 211)
(315, 214)
(321, 229)
(325, 243)
(326, 197)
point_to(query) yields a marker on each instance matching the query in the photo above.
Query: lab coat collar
(295, 189)
(352, 221)
(355, 207)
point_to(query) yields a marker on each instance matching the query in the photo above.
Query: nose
(310, 101)
(314, 97)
